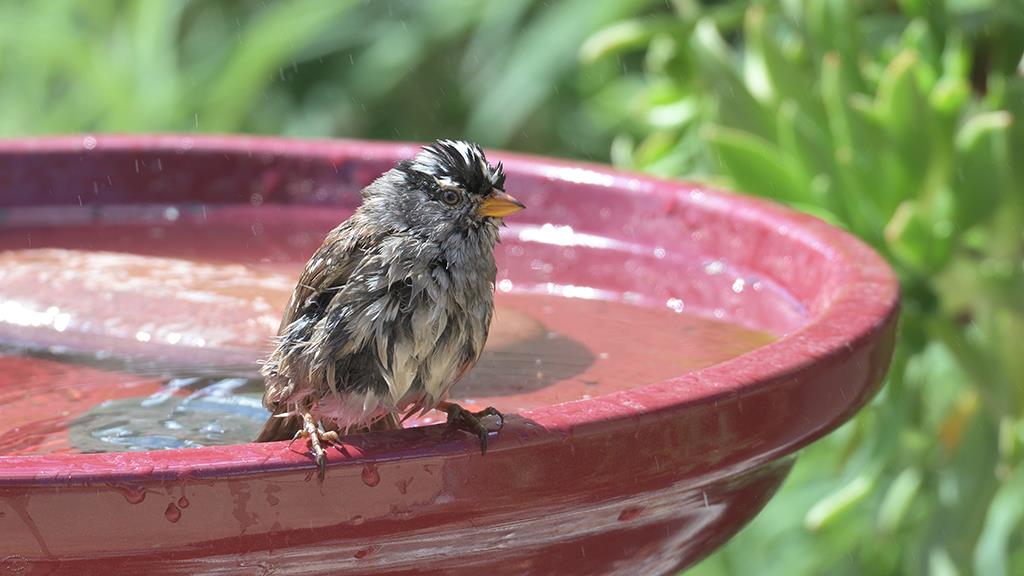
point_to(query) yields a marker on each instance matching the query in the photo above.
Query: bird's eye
(450, 197)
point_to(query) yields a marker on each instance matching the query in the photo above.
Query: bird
(395, 305)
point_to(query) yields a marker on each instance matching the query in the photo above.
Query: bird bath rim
(855, 307)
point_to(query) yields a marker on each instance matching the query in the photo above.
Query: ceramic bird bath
(661, 350)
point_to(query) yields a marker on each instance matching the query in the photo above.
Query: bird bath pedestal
(662, 351)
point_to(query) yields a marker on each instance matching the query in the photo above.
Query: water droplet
(366, 551)
(14, 564)
(714, 267)
(183, 502)
(133, 494)
(172, 513)
(371, 477)
(61, 322)
(630, 513)
(89, 143)
(403, 485)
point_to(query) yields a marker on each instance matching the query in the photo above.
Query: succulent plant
(904, 123)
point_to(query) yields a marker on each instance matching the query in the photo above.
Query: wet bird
(395, 305)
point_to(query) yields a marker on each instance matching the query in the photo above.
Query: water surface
(139, 328)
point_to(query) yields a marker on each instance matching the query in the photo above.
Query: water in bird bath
(135, 328)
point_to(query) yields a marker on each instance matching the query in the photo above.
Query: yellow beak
(499, 205)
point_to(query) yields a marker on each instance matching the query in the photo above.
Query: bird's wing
(327, 271)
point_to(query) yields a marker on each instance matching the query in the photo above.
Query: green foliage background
(902, 121)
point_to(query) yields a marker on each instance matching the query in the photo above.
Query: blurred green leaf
(736, 107)
(756, 166)
(912, 236)
(981, 167)
(625, 36)
(833, 27)
(545, 50)
(901, 109)
(898, 499)
(941, 564)
(956, 56)
(771, 71)
(1005, 514)
(674, 114)
(264, 46)
(949, 96)
(833, 507)
(917, 38)
(803, 140)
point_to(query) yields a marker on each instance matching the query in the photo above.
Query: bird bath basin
(661, 351)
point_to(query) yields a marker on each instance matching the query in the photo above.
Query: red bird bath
(662, 351)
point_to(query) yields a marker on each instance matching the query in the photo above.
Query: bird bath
(661, 350)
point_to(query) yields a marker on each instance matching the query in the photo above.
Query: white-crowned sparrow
(395, 305)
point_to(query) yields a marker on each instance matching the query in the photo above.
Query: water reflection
(217, 412)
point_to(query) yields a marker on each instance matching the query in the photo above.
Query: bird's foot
(317, 438)
(461, 419)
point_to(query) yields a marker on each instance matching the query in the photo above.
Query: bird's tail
(277, 428)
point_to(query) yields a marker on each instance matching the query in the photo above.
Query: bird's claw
(317, 438)
(461, 419)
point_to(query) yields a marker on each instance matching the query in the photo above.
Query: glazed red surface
(639, 481)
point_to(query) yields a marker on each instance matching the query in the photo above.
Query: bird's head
(452, 183)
